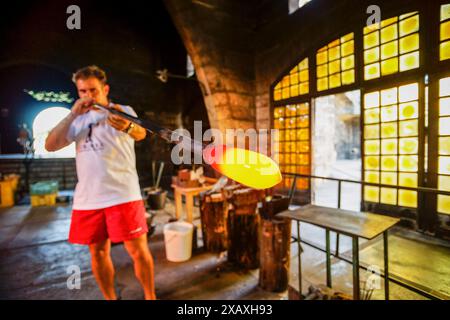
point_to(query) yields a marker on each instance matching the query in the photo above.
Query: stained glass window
(444, 34)
(391, 144)
(295, 84)
(336, 63)
(293, 145)
(391, 46)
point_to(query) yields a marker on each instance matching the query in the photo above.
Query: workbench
(351, 223)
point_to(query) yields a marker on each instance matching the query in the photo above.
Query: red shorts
(119, 223)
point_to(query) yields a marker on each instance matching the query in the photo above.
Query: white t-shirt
(105, 161)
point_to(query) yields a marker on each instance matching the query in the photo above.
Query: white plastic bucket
(178, 241)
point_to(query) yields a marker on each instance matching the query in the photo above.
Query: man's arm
(56, 139)
(137, 132)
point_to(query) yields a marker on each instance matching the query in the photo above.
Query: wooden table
(189, 194)
(350, 223)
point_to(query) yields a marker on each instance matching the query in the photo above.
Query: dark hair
(88, 72)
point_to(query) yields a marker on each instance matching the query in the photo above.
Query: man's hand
(118, 122)
(82, 106)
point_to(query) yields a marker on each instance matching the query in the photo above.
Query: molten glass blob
(247, 167)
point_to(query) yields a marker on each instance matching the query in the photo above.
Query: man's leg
(143, 264)
(103, 268)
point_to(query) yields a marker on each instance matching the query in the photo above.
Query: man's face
(93, 88)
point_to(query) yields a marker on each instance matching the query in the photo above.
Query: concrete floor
(35, 255)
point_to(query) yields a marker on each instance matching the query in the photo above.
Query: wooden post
(274, 254)
(214, 216)
(243, 228)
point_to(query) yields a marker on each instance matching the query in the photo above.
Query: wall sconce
(164, 75)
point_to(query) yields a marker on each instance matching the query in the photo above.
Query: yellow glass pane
(322, 57)
(371, 28)
(409, 110)
(371, 40)
(444, 107)
(389, 113)
(372, 147)
(389, 178)
(294, 70)
(334, 53)
(406, 15)
(371, 100)
(445, 12)
(444, 126)
(388, 196)
(444, 165)
(322, 84)
(407, 179)
(347, 48)
(304, 76)
(409, 43)
(293, 78)
(371, 193)
(304, 88)
(409, 61)
(389, 33)
(444, 51)
(389, 163)
(322, 71)
(372, 176)
(278, 112)
(388, 96)
(372, 116)
(445, 30)
(303, 122)
(303, 64)
(347, 37)
(335, 80)
(408, 92)
(444, 145)
(371, 55)
(409, 145)
(408, 163)
(303, 109)
(409, 25)
(444, 183)
(303, 146)
(285, 81)
(443, 204)
(303, 134)
(389, 66)
(389, 130)
(348, 77)
(303, 184)
(303, 158)
(389, 21)
(389, 146)
(277, 95)
(334, 43)
(285, 93)
(371, 162)
(334, 66)
(444, 87)
(371, 132)
(348, 62)
(372, 71)
(408, 128)
(407, 198)
(294, 91)
(389, 50)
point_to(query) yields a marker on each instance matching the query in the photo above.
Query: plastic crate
(43, 200)
(6, 194)
(44, 188)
